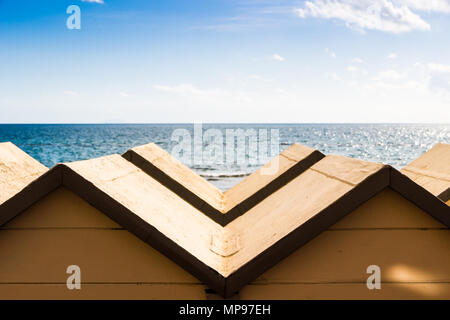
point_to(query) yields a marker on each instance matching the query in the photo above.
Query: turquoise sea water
(394, 144)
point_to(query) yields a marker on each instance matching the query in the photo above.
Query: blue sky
(225, 61)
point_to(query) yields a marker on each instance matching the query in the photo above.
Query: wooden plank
(43, 255)
(351, 171)
(388, 210)
(61, 229)
(344, 255)
(249, 292)
(61, 209)
(343, 291)
(103, 291)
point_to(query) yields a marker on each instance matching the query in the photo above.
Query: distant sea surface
(394, 144)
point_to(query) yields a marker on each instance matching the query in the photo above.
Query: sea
(394, 144)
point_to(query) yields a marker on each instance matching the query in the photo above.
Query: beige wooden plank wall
(411, 248)
(63, 230)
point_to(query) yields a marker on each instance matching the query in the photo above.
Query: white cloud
(357, 60)
(438, 68)
(332, 54)
(356, 71)
(394, 16)
(124, 94)
(392, 56)
(389, 75)
(94, 1)
(429, 5)
(277, 57)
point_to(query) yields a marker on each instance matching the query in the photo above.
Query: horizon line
(220, 123)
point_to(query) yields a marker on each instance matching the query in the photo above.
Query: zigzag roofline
(386, 176)
(222, 217)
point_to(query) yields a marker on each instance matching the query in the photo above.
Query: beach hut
(432, 171)
(314, 237)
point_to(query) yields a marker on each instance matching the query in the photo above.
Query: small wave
(221, 175)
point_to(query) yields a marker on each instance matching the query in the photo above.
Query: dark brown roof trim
(420, 197)
(32, 193)
(445, 196)
(223, 218)
(173, 185)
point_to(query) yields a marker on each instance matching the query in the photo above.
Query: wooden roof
(17, 170)
(432, 171)
(226, 257)
(223, 207)
(150, 154)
